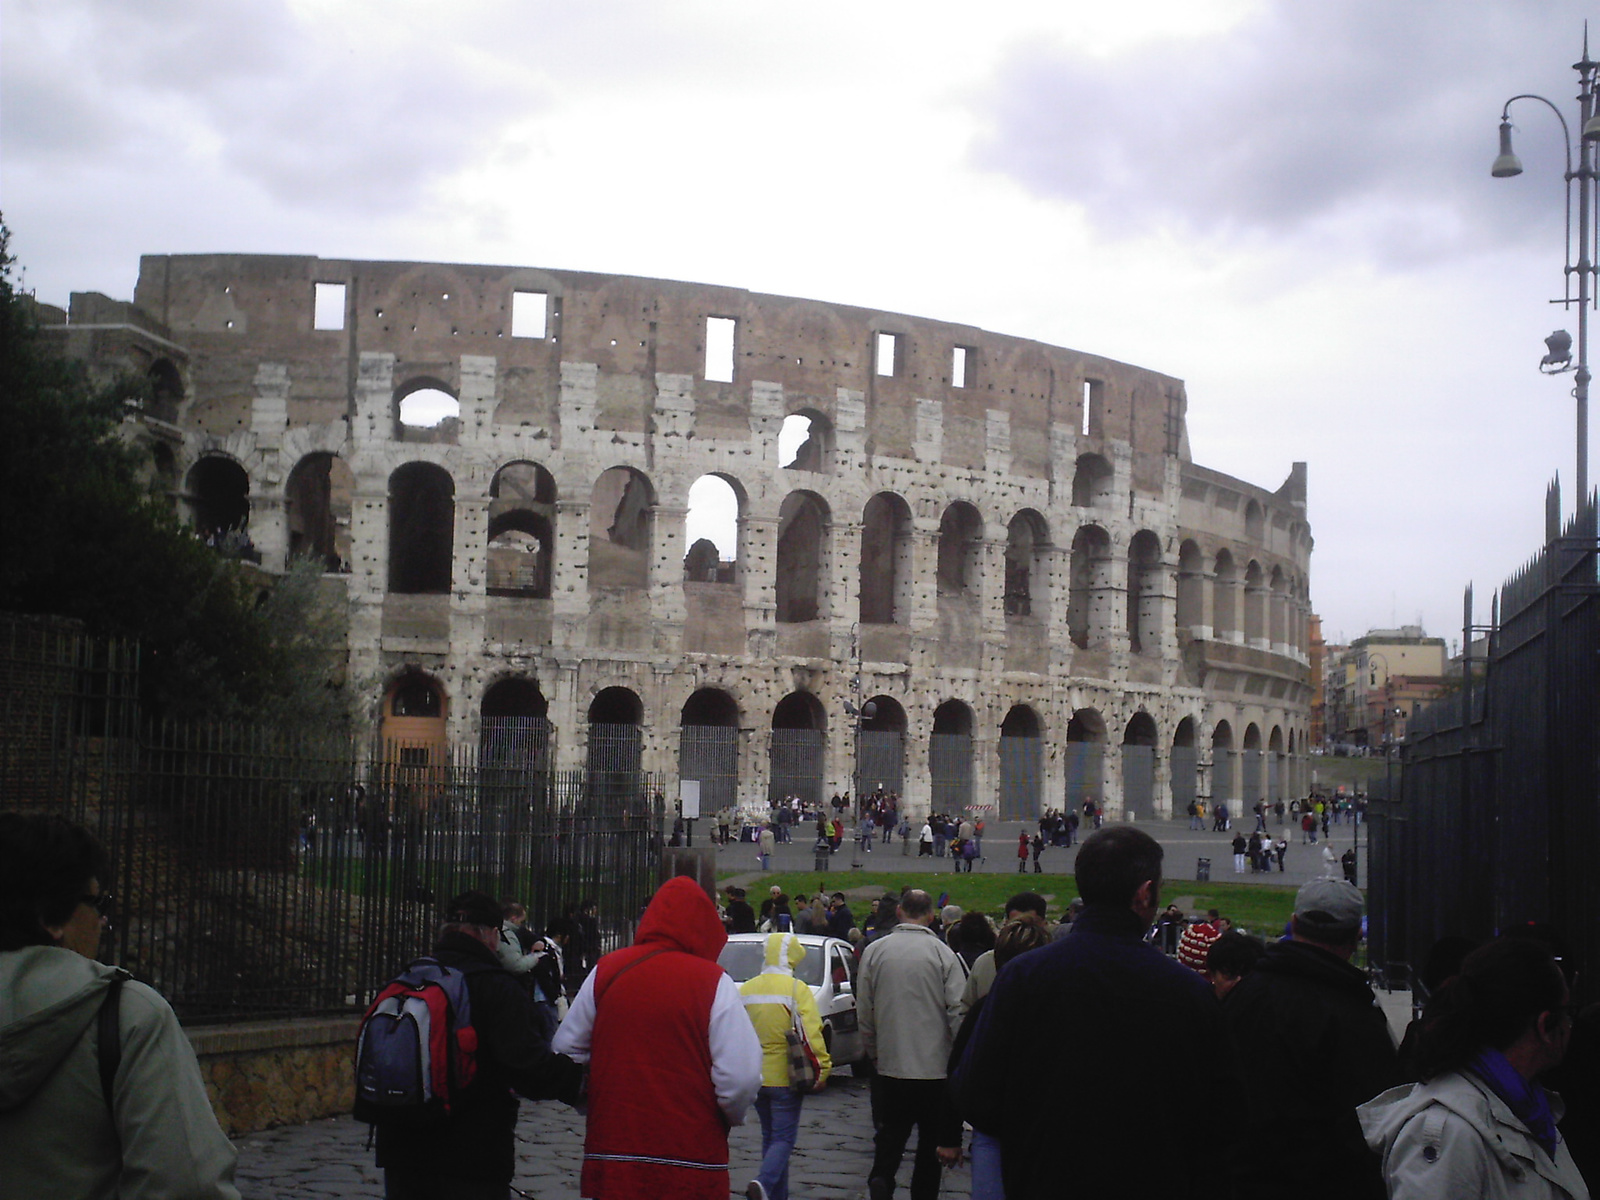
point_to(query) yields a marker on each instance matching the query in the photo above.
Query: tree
(82, 536)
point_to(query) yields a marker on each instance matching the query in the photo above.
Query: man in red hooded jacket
(673, 1059)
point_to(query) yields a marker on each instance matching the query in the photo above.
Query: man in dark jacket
(473, 1152)
(1152, 1040)
(1309, 1013)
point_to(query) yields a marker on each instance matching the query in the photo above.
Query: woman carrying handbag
(794, 1058)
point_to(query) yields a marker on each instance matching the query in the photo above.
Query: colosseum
(774, 545)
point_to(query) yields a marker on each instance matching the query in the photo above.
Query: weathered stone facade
(1003, 543)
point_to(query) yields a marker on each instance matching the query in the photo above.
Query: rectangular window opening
(958, 367)
(1093, 398)
(528, 314)
(328, 309)
(887, 348)
(719, 349)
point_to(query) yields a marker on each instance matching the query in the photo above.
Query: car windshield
(743, 960)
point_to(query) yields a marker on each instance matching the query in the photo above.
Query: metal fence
(1497, 818)
(259, 875)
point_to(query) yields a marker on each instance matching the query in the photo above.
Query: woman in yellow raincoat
(771, 999)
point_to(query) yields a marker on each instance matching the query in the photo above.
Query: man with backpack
(452, 1133)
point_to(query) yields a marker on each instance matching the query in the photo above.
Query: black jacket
(478, 1140)
(1319, 1046)
(1101, 1033)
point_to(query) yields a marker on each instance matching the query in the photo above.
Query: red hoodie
(655, 1129)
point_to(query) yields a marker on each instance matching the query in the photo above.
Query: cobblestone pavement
(329, 1158)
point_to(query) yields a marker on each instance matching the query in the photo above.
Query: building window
(529, 314)
(328, 306)
(719, 349)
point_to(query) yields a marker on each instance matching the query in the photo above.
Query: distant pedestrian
(1022, 852)
(1038, 849)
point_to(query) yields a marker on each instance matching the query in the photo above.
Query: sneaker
(755, 1191)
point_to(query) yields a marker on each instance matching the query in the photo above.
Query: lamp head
(1591, 129)
(1508, 164)
(1559, 347)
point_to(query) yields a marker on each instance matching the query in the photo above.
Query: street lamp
(1558, 356)
(860, 716)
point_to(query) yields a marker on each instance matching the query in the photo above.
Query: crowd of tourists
(1280, 1046)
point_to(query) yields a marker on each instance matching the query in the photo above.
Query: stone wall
(268, 1073)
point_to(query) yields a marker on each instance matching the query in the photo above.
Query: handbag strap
(623, 971)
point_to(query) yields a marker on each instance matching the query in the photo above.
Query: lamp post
(1558, 356)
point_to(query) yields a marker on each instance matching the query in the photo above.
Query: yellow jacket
(770, 997)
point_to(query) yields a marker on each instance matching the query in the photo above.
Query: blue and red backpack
(417, 1048)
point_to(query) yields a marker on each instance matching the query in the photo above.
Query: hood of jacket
(1385, 1115)
(48, 997)
(682, 917)
(783, 953)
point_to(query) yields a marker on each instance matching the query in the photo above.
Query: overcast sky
(1285, 203)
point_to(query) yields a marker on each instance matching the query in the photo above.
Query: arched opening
(1224, 598)
(522, 534)
(1084, 759)
(1191, 594)
(426, 411)
(1089, 603)
(1021, 765)
(422, 515)
(886, 561)
(218, 492)
(1252, 786)
(708, 748)
(1139, 768)
(514, 729)
(166, 390)
(960, 551)
(414, 714)
(620, 519)
(1275, 765)
(803, 544)
(317, 502)
(1255, 606)
(1278, 610)
(1255, 525)
(1185, 767)
(805, 442)
(1092, 482)
(1027, 566)
(711, 531)
(881, 751)
(798, 750)
(1144, 593)
(616, 744)
(950, 758)
(1223, 787)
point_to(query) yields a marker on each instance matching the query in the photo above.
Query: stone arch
(1083, 760)
(708, 747)
(1252, 785)
(1276, 765)
(806, 442)
(421, 528)
(1255, 524)
(415, 709)
(426, 409)
(1255, 605)
(621, 524)
(1139, 741)
(1225, 598)
(615, 743)
(805, 531)
(1184, 766)
(166, 390)
(1021, 749)
(522, 531)
(960, 551)
(317, 501)
(1224, 773)
(1145, 579)
(881, 750)
(950, 757)
(1191, 588)
(217, 490)
(1277, 599)
(514, 729)
(1027, 565)
(798, 750)
(886, 561)
(1088, 618)
(713, 529)
(1093, 482)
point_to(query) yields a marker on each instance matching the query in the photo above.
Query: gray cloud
(1366, 125)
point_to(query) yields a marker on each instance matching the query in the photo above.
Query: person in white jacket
(1480, 1124)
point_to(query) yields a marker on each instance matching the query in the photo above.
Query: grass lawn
(1260, 909)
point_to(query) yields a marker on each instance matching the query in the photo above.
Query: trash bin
(820, 853)
(1202, 871)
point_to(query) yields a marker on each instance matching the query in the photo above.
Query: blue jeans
(779, 1110)
(986, 1183)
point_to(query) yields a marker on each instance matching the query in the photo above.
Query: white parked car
(829, 969)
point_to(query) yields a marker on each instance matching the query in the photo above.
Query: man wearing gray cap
(1309, 1013)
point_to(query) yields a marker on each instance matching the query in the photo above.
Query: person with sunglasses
(100, 1093)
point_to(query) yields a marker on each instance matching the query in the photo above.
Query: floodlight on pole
(1558, 356)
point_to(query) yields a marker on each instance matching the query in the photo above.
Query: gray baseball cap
(1330, 907)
